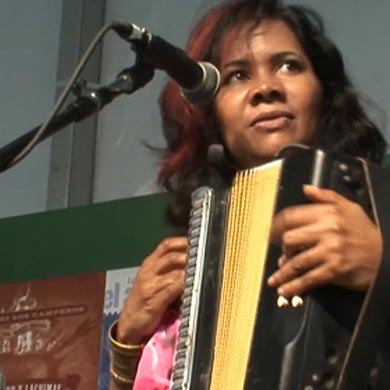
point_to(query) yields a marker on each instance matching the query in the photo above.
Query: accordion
(233, 335)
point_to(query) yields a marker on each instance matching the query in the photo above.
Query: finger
(297, 216)
(171, 261)
(171, 244)
(296, 266)
(322, 195)
(145, 306)
(158, 290)
(282, 260)
(298, 239)
(300, 215)
(314, 278)
(171, 287)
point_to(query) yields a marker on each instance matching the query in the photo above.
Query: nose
(266, 90)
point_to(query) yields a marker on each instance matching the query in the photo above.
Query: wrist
(128, 334)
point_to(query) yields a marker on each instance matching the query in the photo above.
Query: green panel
(83, 239)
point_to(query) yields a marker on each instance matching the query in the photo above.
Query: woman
(283, 82)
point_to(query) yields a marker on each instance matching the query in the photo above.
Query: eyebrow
(241, 62)
(284, 54)
(244, 62)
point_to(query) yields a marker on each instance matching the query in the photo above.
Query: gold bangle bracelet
(121, 379)
(124, 358)
(124, 363)
(121, 348)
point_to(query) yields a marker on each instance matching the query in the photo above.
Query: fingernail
(271, 281)
(281, 291)
(309, 187)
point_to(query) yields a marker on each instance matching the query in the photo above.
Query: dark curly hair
(189, 129)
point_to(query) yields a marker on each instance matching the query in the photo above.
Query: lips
(271, 120)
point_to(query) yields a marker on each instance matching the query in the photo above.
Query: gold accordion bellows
(229, 335)
(250, 216)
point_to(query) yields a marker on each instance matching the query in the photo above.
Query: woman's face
(269, 95)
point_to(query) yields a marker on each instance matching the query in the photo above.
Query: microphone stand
(87, 103)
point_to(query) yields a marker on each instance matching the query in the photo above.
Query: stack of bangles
(124, 360)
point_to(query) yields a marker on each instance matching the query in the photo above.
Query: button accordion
(233, 335)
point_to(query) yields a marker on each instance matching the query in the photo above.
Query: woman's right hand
(159, 283)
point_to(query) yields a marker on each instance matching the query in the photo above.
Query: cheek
(229, 108)
(309, 105)
(225, 118)
(315, 97)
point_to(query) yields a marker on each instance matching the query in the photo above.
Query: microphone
(198, 81)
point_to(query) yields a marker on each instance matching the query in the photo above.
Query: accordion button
(282, 301)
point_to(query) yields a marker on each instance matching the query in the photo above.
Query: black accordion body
(233, 335)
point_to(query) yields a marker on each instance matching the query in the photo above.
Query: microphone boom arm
(128, 81)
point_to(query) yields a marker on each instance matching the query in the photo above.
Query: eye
(291, 66)
(235, 76)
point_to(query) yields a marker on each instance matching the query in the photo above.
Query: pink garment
(156, 363)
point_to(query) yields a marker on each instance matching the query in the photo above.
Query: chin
(254, 158)
(256, 161)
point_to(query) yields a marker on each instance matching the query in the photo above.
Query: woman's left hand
(331, 240)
